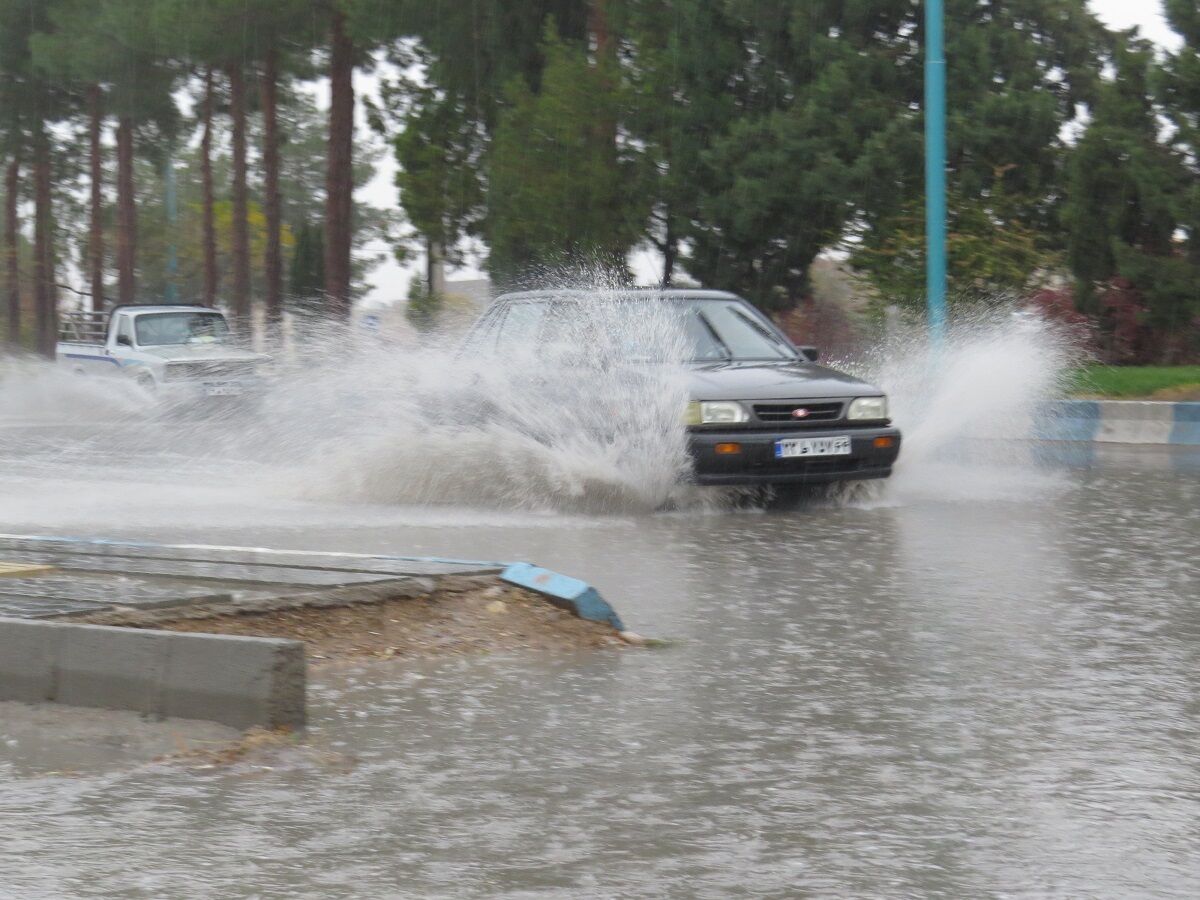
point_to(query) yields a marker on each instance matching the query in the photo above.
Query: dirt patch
(444, 623)
(1179, 394)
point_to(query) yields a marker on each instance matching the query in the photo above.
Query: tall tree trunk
(206, 182)
(45, 293)
(241, 235)
(96, 231)
(598, 26)
(435, 267)
(339, 174)
(12, 264)
(126, 214)
(273, 258)
(670, 250)
(605, 127)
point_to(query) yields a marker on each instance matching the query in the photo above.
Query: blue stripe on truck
(88, 356)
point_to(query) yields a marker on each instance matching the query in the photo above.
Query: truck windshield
(158, 329)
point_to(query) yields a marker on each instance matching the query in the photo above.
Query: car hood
(204, 353)
(773, 381)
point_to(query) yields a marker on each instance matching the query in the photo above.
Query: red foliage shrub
(1122, 309)
(1058, 305)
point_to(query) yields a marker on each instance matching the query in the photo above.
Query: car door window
(520, 330)
(482, 339)
(125, 329)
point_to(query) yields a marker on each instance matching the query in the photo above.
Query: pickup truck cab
(761, 411)
(179, 352)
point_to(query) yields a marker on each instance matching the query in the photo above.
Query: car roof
(139, 308)
(619, 293)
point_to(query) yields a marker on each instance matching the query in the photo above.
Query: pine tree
(34, 100)
(1128, 196)
(306, 281)
(113, 45)
(1017, 72)
(560, 195)
(1179, 91)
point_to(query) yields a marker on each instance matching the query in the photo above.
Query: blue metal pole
(935, 171)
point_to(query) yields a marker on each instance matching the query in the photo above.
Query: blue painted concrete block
(1069, 420)
(1186, 429)
(571, 593)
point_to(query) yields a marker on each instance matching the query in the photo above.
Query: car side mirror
(812, 354)
(124, 340)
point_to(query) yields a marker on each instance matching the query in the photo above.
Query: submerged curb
(570, 593)
(1121, 422)
(235, 680)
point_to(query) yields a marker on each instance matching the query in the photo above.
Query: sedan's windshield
(158, 329)
(636, 330)
(726, 329)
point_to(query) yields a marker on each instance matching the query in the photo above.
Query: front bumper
(216, 390)
(756, 463)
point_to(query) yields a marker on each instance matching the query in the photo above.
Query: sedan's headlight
(868, 408)
(715, 412)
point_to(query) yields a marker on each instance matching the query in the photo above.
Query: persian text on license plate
(222, 390)
(823, 446)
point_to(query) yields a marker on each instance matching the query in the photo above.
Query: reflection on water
(921, 698)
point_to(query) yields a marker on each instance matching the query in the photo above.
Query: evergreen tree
(437, 146)
(1128, 197)
(473, 59)
(114, 44)
(1179, 91)
(34, 100)
(14, 65)
(1017, 73)
(684, 56)
(560, 196)
(306, 280)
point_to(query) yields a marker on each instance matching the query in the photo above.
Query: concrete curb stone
(234, 680)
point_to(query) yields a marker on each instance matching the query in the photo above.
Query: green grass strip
(1132, 381)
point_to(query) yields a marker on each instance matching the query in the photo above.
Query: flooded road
(979, 682)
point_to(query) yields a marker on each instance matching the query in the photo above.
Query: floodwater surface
(972, 693)
(978, 680)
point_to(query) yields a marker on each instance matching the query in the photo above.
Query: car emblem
(800, 413)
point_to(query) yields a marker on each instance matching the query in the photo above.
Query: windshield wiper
(712, 332)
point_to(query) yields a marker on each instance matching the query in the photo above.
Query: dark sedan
(761, 411)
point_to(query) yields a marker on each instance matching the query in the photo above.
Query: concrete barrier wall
(237, 681)
(1122, 422)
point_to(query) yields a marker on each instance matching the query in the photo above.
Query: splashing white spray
(565, 425)
(969, 409)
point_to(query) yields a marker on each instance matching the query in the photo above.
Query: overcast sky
(390, 280)
(1145, 14)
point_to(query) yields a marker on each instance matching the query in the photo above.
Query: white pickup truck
(178, 352)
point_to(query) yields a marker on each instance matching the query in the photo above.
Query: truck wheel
(145, 382)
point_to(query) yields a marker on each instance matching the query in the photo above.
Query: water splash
(34, 391)
(355, 420)
(969, 410)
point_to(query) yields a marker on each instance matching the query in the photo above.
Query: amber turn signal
(728, 449)
(884, 442)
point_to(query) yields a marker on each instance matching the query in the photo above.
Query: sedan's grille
(825, 411)
(183, 371)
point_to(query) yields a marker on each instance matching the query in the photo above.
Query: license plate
(823, 446)
(222, 390)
